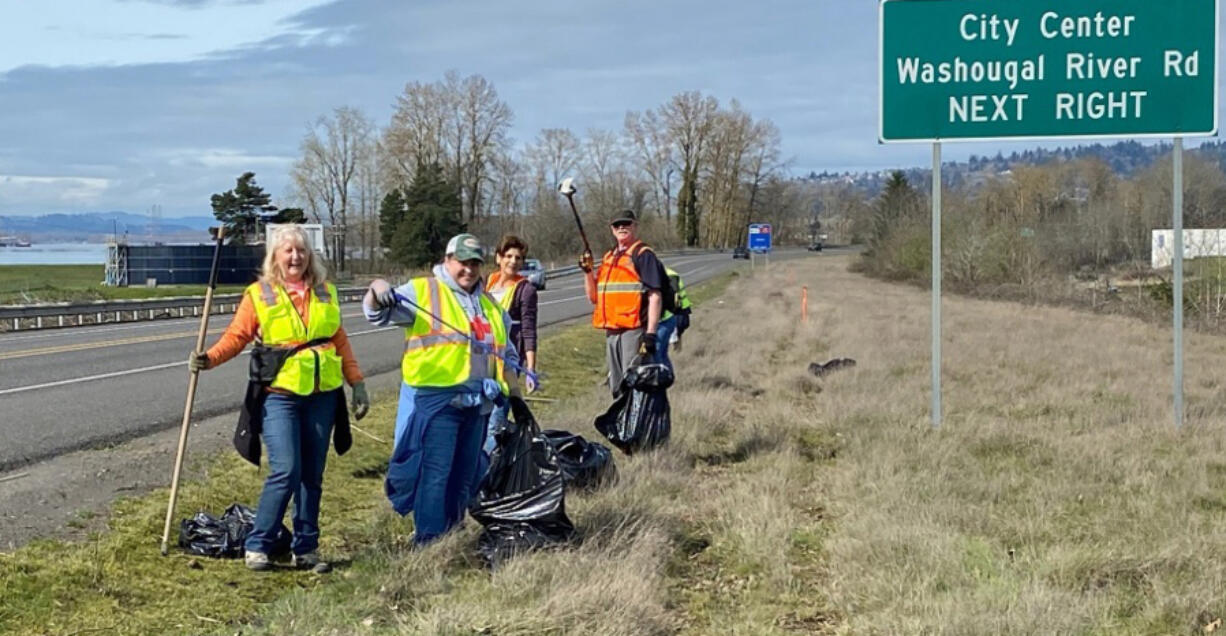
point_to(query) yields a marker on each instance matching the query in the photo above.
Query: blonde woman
(294, 397)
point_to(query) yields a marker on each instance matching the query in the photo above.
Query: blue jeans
(295, 430)
(451, 447)
(498, 419)
(664, 332)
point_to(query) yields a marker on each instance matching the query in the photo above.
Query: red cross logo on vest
(480, 328)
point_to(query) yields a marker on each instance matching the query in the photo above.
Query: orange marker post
(804, 303)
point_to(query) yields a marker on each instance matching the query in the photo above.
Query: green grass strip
(116, 581)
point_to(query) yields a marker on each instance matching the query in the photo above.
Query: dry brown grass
(1057, 498)
(719, 532)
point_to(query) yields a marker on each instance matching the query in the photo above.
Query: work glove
(647, 344)
(361, 401)
(198, 361)
(586, 263)
(530, 382)
(385, 296)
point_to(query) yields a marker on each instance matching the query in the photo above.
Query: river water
(54, 254)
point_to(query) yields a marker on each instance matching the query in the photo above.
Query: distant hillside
(98, 226)
(1125, 158)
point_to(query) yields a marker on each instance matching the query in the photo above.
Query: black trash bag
(584, 464)
(521, 501)
(223, 538)
(639, 418)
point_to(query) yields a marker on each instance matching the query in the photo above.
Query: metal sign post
(936, 285)
(759, 242)
(1177, 278)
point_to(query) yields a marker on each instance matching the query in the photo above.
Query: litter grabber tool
(477, 344)
(192, 378)
(567, 189)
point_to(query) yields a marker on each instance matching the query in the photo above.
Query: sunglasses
(618, 224)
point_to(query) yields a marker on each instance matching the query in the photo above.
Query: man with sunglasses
(626, 290)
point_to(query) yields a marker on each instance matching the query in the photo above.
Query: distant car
(534, 272)
(815, 246)
(741, 252)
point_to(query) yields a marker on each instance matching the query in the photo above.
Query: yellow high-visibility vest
(314, 369)
(683, 299)
(508, 295)
(436, 355)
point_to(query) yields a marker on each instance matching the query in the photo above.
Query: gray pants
(620, 349)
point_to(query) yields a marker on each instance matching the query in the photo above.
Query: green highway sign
(993, 69)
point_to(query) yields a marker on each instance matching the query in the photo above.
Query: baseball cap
(624, 215)
(466, 247)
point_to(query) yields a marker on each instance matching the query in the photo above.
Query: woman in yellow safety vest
(518, 297)
(457, 364)
(294, 401)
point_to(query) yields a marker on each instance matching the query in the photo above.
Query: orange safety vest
(619, 290)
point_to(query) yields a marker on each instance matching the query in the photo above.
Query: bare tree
(688, 119)
(415, 135)
(556, 151)
(647, 137)
(485, 120)
(762, 164)
(332, 151)
(510, 182)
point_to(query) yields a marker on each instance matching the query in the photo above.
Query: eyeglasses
(620, 224)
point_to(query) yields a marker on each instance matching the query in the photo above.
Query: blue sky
(123, 104)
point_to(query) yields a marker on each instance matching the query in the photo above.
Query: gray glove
(198, 361)
(361, 401)
(384, 295)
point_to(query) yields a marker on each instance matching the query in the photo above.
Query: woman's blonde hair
(271, 273)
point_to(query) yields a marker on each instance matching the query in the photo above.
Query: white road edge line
(156, 367)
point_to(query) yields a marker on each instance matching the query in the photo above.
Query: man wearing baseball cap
(626, 290)
(457, 362)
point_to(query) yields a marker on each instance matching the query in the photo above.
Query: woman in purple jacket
(518, 296)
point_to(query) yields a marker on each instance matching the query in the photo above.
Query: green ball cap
(466, 247)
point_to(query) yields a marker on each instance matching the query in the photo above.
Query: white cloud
(21, 189)
(108, 33)
(228, 158)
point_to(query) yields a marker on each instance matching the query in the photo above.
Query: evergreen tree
(239, 209)
(897, 201)
(289, 215)
(391, 212)
(433, 215)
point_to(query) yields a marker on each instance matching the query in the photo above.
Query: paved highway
(67, 389)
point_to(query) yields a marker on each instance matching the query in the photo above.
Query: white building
(1196, 244)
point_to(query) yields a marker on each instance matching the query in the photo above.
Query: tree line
(697, 171)
(1067, 231)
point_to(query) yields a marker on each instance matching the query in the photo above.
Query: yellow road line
(42, 351)
(25, 353)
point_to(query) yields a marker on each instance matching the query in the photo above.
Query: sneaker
(311, 561)
(257, 561)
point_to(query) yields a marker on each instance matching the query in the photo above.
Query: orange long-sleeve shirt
(246, 324)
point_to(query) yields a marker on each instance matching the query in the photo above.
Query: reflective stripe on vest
(508, 296)
(312, 370)
(619, 291)
(436, 355)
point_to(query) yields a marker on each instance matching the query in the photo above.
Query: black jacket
(250, 423)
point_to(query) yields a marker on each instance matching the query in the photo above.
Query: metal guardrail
(76, 314)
